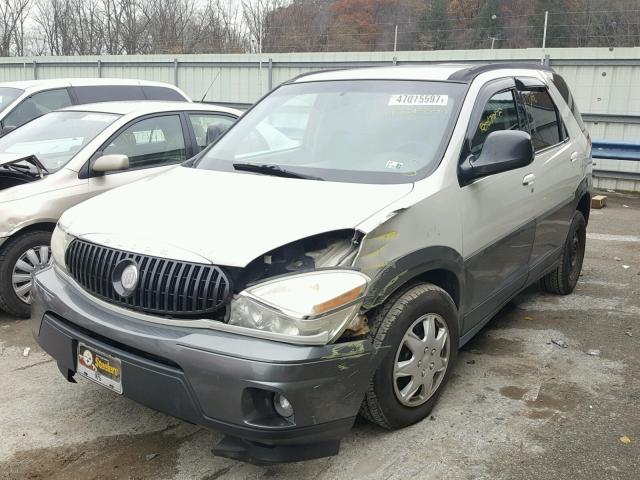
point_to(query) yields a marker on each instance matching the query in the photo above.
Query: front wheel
(564, 278)
(418, 328)
(20, 258)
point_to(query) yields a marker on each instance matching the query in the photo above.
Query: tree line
(94, 27)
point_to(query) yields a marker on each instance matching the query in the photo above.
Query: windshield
(8, 95)
(366, 131)
(57, 136)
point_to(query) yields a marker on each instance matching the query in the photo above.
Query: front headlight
(310, 308)
(60, 240)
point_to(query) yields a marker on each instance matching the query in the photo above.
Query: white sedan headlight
(310, 308)
(60, 240)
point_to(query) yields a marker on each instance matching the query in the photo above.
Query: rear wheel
(418, 327)
(564, 278)
(20, 258)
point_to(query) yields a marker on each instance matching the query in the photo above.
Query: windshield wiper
(15, 164)
(273, 170)
(21, 169)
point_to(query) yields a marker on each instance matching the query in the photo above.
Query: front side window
(151, 142)
(208, 128)
(367, 131)
(56, 137)
(543, 119)
(36, 105)
(8, 95)
(500, 113)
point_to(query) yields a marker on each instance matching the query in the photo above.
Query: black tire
(564, 278)
(9, 255)
(388, 327)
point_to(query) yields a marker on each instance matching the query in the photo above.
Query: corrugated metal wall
(605, 82)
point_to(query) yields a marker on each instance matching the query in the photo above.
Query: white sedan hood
(222, 217)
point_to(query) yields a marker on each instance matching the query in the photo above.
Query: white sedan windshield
(369, 131)
(57, 136)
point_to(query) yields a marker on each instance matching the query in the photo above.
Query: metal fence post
(35, 70)
(175, 72)
(270, 74)
(99, 68)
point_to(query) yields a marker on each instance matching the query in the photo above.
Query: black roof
(468, 74)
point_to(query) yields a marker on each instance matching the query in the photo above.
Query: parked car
(69, 155)
(273, 289)
(22, 101)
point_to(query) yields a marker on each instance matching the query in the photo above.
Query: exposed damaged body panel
(17, 169)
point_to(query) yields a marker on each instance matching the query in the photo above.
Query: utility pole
(395, 39)
(544, 34)
(544, 37)
(260, 45)
(493, 32)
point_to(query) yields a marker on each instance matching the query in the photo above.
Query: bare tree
(13, 14)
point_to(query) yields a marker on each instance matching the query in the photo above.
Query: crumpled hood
(225, 218)
(7, 158)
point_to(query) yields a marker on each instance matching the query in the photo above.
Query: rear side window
(500, 113)
(544, 127)
(208, 128)
(162, 93)
(36, 105)
(108, 93)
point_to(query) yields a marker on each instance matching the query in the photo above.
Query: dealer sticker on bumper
(100, 368)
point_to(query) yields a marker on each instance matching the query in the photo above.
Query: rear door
(497, 210)
(557, 171)
(153, 144)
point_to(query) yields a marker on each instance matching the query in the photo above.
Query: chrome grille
(165, 286)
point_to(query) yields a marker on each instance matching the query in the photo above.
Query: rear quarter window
(162, 93)
(108, 93)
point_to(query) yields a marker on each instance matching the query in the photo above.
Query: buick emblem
(125, 277)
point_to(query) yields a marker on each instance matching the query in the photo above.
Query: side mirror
(502, 150)
(110, 163)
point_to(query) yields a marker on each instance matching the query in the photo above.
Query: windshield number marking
(418, 100)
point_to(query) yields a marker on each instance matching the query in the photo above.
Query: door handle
(529, 179)
(574, 156)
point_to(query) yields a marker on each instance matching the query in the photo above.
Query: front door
(152, 144)
(497, 212)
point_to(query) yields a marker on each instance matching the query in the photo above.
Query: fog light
(282, 406)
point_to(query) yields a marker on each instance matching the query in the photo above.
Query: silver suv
(328, 256)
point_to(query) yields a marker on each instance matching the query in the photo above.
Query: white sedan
(69, 155)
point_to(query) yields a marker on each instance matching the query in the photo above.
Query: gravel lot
(518, 405)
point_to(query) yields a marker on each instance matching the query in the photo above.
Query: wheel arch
(440, 265)
(583, 200)
(46, 225)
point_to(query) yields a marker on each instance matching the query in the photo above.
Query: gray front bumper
(212, 378)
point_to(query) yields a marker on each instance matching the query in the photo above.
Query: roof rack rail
(306, 74)
(468, 74)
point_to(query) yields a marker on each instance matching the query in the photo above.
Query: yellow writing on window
(490, 120)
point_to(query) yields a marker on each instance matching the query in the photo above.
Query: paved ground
(519, 406)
